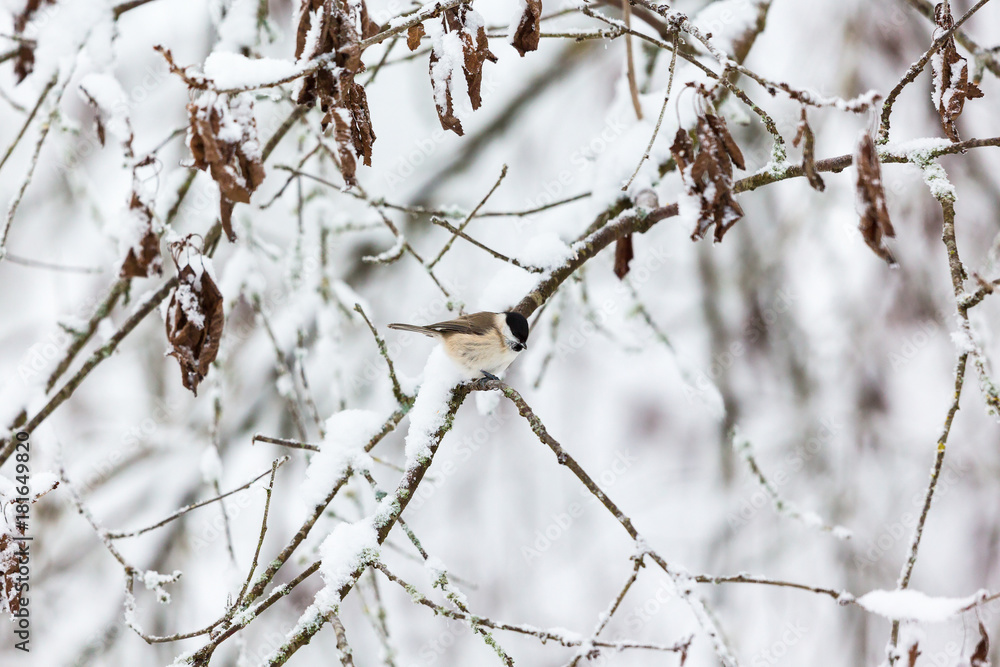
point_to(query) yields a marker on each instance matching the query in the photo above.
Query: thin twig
(917, 67)
(401, 397)
(294, 444)
(27, 121)
(504, 258)
(468, 218)
(539, 633)
(184, 510)
(659, 119)
(629, 61)
(263, 530)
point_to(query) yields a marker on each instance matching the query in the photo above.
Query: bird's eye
(517, 347)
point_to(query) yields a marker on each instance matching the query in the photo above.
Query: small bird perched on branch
(483, 342)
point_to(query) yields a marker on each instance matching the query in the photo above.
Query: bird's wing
(476, 324)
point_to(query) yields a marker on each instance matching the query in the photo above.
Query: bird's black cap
(518, 326)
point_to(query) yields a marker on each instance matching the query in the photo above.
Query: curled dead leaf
(194, 315)
(875, 225)
(623, 255)
(952, 86)
(468, 25)
(981, 656)
(142, 258)
(24, 58)
(805, 136)
(525, 38)
(223, 140)
(414, 35)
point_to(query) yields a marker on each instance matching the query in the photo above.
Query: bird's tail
(412, 327)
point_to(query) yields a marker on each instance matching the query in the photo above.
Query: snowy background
(837, 368)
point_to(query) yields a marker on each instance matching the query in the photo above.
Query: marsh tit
(484, 342)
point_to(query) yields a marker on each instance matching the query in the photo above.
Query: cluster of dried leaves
(223, 140)
(466, 25)
(708, 173)
(951, 75)
(335, 28)
(194, 315)
(875, 225)
(24, 59)
(10, 546)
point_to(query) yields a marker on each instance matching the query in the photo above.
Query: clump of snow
(233, 70)
(62, 31)
(963, 342)
(507, 287)
(546, 251)
(154, 581)
(937, 181)
(911, 605)
(441, 375)
(349, 547)
(915, 150)
(347, 433)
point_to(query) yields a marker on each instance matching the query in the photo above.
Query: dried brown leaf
(224, 141)
(718, 126)
(912, 654)
(808, 140)
(24, 59)
(475, 50)
(981, 656)
(875, 225)
(445, 107)
(194, 316)
(226, 217)
(528, 31)
(952, 86)
(623, 255)
(143, 260)
(342, 132)
(414, 35)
